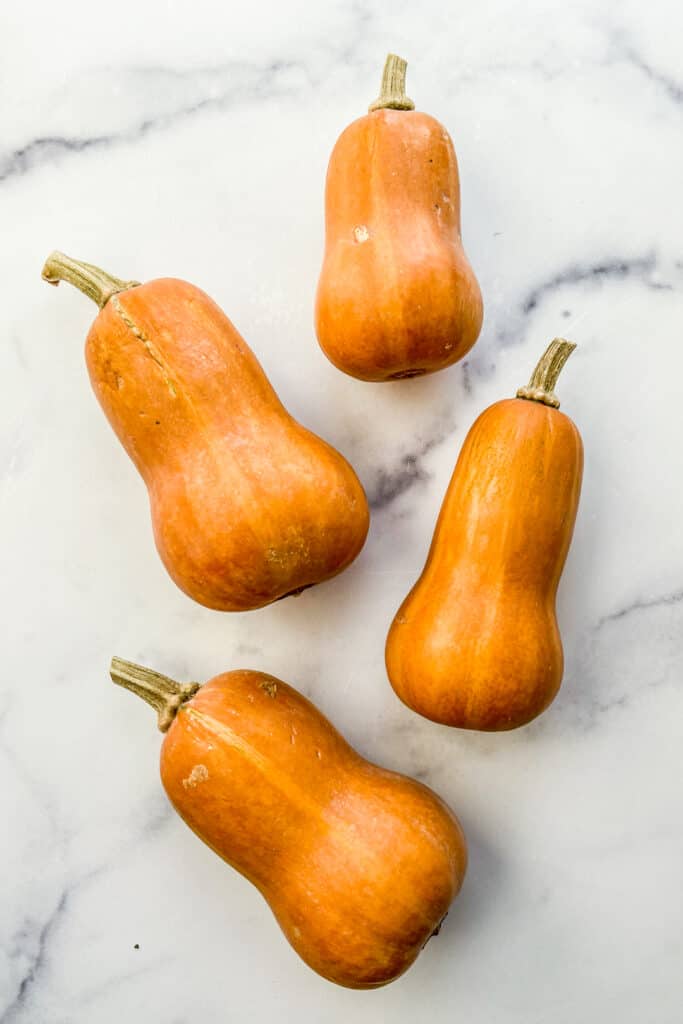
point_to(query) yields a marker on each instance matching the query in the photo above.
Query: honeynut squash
(397, 296)
(247, 505)
(359, 865)
(476, 644)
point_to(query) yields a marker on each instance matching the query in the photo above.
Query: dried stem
(97, 284)
(393, 90)
(163, 694)
(541, 386)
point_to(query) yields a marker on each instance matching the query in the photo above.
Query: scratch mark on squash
(140, 335)
(263, 764)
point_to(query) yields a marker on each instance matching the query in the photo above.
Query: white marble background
(164, 138)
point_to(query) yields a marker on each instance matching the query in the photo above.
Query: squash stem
(393, 89)
(541, 386)
(163, 694)
(97, 284)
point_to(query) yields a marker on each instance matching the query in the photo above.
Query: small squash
(475, 644)
(247, 505)
(397, 296)
(359, 865)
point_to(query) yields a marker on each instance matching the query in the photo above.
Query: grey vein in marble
(673, 598)
(260, 83)
(580, 276)
(616, 269)
(38, 940)
(626, 51)
(391, 484)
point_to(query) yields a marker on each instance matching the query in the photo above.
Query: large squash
(247, 505)
(359, 865)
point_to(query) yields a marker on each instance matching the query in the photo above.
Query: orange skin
(358, 864)
(247, 505)
(475, 644)
(397, 296)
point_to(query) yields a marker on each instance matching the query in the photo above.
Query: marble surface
(192, 140)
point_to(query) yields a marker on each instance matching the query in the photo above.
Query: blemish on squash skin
(275, 556)
(139, 334)
(269, 687)
(361, 234)
(199, 773)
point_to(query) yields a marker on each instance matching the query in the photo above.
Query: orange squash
(247, 505)
(475, 644)
(359, 865)
(397, 296)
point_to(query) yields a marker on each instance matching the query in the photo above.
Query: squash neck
(165, 695)
(544, 378)
(392, 94)
(97, 284)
